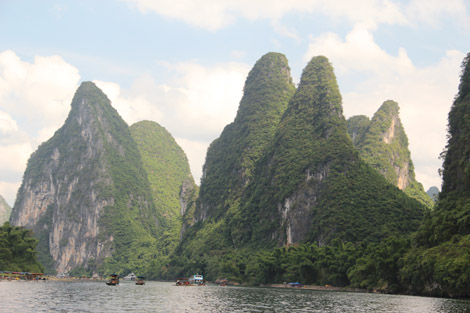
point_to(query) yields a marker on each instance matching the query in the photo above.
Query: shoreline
(316, 287)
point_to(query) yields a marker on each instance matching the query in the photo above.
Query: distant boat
(140, 280)
(195, 280)
(131, 276)
(113, 280)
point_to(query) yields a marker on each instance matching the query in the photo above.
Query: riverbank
(315, 287)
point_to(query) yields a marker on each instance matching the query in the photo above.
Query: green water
(89, 296)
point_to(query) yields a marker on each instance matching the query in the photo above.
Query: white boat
(197, 279)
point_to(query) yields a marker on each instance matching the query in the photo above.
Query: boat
(140, 280)
(113, 280)
(197, 280)
(130, 276)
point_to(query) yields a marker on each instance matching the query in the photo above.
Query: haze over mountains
(290, 171)
(5, 211)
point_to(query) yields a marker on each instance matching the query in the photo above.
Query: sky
(183, 64)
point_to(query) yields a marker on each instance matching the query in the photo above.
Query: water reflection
(88, 296)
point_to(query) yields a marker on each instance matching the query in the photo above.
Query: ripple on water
(92, 296)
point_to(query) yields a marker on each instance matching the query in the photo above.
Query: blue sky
(183, 63)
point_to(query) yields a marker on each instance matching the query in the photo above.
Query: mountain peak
(383, 144)
(230, 159)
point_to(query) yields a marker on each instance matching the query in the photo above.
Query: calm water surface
(89, 296)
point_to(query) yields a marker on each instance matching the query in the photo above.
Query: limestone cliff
(311, 184)
(383, 144)
(85, 193)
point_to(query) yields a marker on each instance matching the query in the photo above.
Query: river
(93, 296)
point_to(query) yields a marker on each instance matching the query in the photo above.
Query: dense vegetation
(17, 250)
(383, 144)
(132, 220)
(285, 194)
(312, 171)
(231, 158)
(168, 173)
(5, 211)
(346, 208)
(439, 262)
(92, 160)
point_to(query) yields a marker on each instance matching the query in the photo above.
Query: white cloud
(216, 14)
(423, 94)
(34, 102)
(13, 158)
(7, 124)
(432, 12)
(194, 107)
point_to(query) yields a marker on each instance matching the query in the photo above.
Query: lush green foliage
(383, 144)
(352, 207)
(18, 250)
(167, 170)
(5, 211)
(439, 263)
(230, 158)
(312, 156)
(132, 220)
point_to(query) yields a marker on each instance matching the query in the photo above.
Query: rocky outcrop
(311, 185)
(81, 184)
(383, 144)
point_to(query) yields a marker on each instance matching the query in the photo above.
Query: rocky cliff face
(383, 144)
(78, 189)
(311, 184)
(5, 211)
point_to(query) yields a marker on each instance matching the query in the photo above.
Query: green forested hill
(383, 144)
(169, 176)
(86, 195)
(439, 264)
(311, 185)
(309, 207)
(230, 159)
(5, 211)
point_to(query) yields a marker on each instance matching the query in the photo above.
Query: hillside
(383, 144)
(312, 185)
(439, 264)
(171, 182)
(86, 196)
(308, 200)
(231, 158)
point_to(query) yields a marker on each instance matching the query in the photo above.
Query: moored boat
(197, 280)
